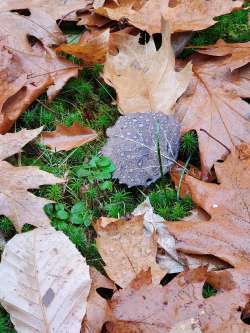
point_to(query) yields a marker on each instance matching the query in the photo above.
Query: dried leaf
(126, 249)
(188, 15)
(44, 282)
(56, 9)
(145, 15)
(173, 261)
(133, 147)
(19, 205)
(212, 105)
(226, 234)
(92, 47)
(239, 52)
(156, 85)
(156, 309)
(26, 70)
(66, 138)
(97, 307)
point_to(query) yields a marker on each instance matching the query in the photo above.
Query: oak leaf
(136, 143)
(212, 105)
(188, 15)
(45, 282)
(239, 53)
(66, 138)
(226, 234)
(180, 307)
(126, 249)
(56, 9)
(91, 49)
(97, 307)
(18, 204)
(27, 70)
(155, 84)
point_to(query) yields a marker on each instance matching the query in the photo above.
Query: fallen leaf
(133, 147)
(67, 138)
(97, 307)
(188, 15)
(27, 70)
(172, 261)
(126, 250)
(239, 53)
(145, 15)
(226, 234)
(19, 205)
(91, 49)
(180, 305)
(56, 9)
(156, 85)
(45, 282)
(212, 105)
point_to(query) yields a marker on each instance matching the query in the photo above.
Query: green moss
(5, 323)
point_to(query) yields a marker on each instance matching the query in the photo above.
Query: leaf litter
(46, 283)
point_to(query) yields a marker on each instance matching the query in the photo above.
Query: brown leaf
(66, 138)
(19, 205)
(126, 249)
(27, 70)
(226, 234)
(56, 9)
(97, 307)
(145, 16)
(187, 15)
(91, 49)
(212, 105)
(179, 306)
(156, 85)
(239, 53)
(45, 282)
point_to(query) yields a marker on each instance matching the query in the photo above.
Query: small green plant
(208, 290)
(120, 204)
(98, 170)
(189, 143)
(5, 323)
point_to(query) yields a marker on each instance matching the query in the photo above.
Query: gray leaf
(132, 146)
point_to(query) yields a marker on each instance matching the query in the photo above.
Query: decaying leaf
(143, 308)
(226, 234)
(66, 138)
(44, 282)
(126, 249)
(56, 9)
(145, 15)
(156, 85)
(239, 52)
(91, 49)
(188, 15)
(135, 143)
(173, 261)
(212, 105)
(18, 204)
(97, 307)
(28, 69)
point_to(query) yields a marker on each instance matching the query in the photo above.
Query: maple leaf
(97, 307)
(239, 52)
(126, 250)
(66, 138)
(45, 282)
(27, 70)
(188, 15)
(226, 234)
(19, 205)
(212, 105)
(91, 49)
(135, 143)
(156, 85)
(180, 307)
(56, 9)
